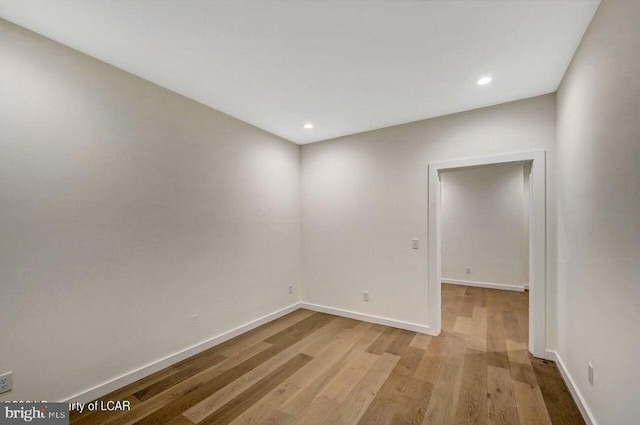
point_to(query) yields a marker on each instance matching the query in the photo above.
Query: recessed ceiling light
(484, 81)
(308, 126)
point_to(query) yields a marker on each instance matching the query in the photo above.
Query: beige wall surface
(483, 216)
(125, 209)
(364, 197)
(599, 213)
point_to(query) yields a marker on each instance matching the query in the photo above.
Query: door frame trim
(537, 238)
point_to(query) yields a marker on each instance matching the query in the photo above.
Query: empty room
(320, 212)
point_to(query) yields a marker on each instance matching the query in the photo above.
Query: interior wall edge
(573, 388)
(408, 326)
(518, 287)
(100, 390)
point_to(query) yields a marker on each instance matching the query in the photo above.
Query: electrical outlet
(290, 288)
(415, 244)
(365, 296)
(195, 320)
(468, 270)
(6, 382)
(590, 373)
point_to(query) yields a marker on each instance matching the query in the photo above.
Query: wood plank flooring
(312, 368)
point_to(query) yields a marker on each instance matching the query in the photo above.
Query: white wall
(124, 209)
(599, 213)
(482, 212)
(364, 197)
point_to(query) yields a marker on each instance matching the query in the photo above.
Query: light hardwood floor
(313, 368)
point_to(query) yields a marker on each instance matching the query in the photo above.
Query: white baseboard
(526, 286)
(548, 355)
(575, 392)
(489, 285)
(414, 327)
(135, 375)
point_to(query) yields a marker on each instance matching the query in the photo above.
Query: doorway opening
(485, 244)
(535, 276)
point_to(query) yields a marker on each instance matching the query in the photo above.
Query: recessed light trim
(484, 81)
(308, 126)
